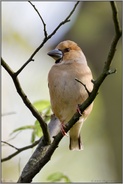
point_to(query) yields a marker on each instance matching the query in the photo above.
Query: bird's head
(66, 52)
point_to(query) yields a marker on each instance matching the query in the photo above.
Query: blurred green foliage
(57, 177)
(44, 108)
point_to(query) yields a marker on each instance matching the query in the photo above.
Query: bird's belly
(65, 96)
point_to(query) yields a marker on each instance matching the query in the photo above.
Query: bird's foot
(63, 130)
(78, 110)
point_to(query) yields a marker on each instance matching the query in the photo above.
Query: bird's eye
(66, 49)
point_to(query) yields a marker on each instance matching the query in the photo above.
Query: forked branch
(46, 36)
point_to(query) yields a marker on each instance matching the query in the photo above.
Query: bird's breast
(65, 92)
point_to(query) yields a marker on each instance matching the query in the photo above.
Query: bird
(65, 90)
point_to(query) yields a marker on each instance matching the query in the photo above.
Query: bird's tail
(75, 144)
(75, 139)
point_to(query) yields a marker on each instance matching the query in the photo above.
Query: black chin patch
(58, 61)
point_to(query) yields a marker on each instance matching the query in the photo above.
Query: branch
(53, 127)
(9, 145)
(84, 86)
(27, 102)
(38, 160)
(115, 18)
(64, 21)
(19, 150)
(47, 37)
(44, 25)
(8, 113)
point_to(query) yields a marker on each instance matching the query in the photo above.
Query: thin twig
(24, 65)
(8, 113)
(64, 21)
(10, 145)
(44, 24)
(84, 86)
(115, 17)
(27, 102)
(19, 150)
(109, 72)
(46, 38)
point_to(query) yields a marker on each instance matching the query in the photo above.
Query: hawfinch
(66, 93)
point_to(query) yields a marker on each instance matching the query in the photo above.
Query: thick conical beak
(55, 54)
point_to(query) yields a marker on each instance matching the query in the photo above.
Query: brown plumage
(65, 92)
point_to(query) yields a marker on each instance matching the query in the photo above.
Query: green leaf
(44, 107)
(23, 128)
(37, 129)
(41, 105)
(58, 176)
(47, 114)
(33, 137)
